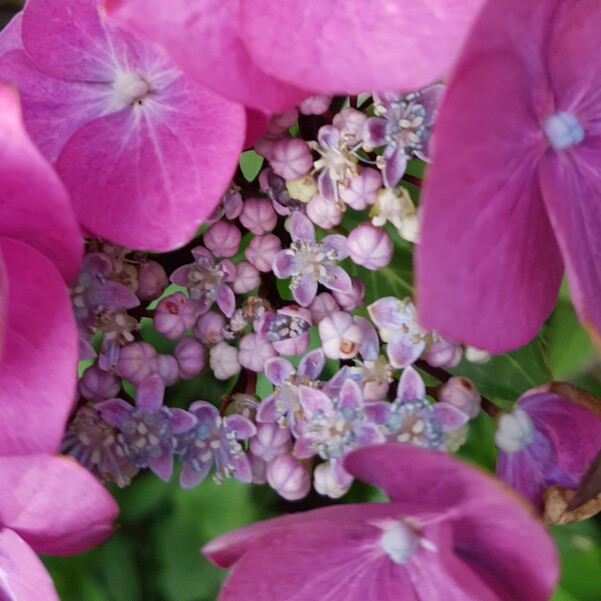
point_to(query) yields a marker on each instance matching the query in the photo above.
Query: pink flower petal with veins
(208, 29)
(38, 369)
(348, 46)
(42, 502)
(22, 574)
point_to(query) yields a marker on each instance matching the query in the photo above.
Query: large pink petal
(23, 576)
(39, 364)
(3, 303)
(208, 29)
(571, 184)
(10, 36)
(488, 268)
(54, 504)
(348, 46)
(576, 83)
(493, 528)
(34, 205)
(53, 109)
(67, 39)
(146, 177)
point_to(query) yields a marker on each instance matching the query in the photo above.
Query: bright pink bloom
(40, 247)
(145, 152)
(450, 532)
(41, 511)
(513, 194)
(258, 51)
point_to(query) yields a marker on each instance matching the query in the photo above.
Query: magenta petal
(374, 132)
(24, 577)
(302, 41)
(32, 198)
(53, 109)
(480, 229)
(154, 165)
(86, 52)
(162, 466)
(150, 393)
(226, 300)
(10, 36)
(396, 164)
(42, 501)
(425, 481)
(572, 195)
(3, 303)
(39, 363)
(208, 29)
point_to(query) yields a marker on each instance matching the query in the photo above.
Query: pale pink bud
(190, 356)
(98, 385)
(462, 394)
(370, 247)
(258, 216)
(262, 250)
(254, 351)
(324, 213)
(349, 301)
(341, 336)
(362, 191)
(223, 360)
(289, 477)
(174, 315)
(137, 361)
(291, 158)
(209, 328)
(270, 441)
(443, 353)
(323, 305)
(248, 278)
(152, 280)
(315, 105)
(168, 369)
(222, 239)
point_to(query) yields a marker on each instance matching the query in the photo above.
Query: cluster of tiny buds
(273, 285)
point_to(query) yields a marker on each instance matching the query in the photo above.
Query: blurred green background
(154, 554)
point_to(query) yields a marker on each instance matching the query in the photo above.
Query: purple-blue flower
(310, 262)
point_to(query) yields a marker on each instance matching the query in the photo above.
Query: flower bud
(302, 189)
(270, 441)
(289, 477)
(315, 105)
(137, 361)
(291, 158)
(190, 356)
(262, 250)
(223, 360)
(349, 301)
(174, 315)
(98, 385)
(443, 353)
(152, 280)
(322, 306)
(370, 247)
(461, 393)
(254, 351)
(331, 481)
(222, 239)
(258, 216)
(351, 123)
(209, 328)
(248, 278)
(324, 213)
(168, 369)
(362, 191)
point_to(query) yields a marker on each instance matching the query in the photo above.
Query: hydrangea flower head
(162, 147)
(449, 532)
(513, 194)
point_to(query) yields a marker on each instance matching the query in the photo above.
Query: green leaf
(505, 377)
(250, 164)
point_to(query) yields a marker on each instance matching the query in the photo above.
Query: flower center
(515, 431)
(563, 130)
(130, 88)
(400, 542)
